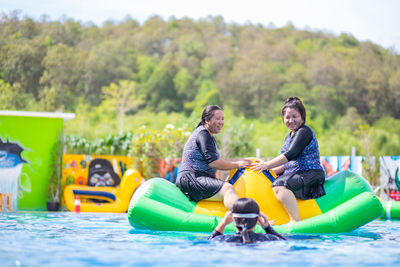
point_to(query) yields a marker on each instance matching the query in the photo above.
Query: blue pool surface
(106, 239)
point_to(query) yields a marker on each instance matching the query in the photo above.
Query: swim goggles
(245, 215)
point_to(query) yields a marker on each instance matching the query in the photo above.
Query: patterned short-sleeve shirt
(308, 159)
(196, 159)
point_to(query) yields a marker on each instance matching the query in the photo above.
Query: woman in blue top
(201, 159)
(300, 174)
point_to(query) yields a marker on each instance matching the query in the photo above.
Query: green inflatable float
(391, 210)
(348, 204)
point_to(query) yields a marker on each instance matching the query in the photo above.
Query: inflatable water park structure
(157, 204)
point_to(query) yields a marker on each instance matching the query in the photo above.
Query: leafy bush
(151, 148)
(110, 145)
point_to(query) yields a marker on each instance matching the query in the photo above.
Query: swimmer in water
(245, 214)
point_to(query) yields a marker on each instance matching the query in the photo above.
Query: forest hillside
(123, 76)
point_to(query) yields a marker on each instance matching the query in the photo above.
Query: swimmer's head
(245, 213)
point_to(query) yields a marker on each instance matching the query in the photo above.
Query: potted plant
(54, 182)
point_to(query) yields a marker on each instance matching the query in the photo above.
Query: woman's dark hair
(295, 103)
(245, 205)
(208, 113)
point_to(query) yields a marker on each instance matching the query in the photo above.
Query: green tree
(152, 38)
(323, 101)
(12, 97)
(108, 62)
(21, 62)
(370, 170)
(378, 89)
(350, 122)
(66, 31)
(394, 94)
(29, 29)
(61, 78)
(123, 98)
(208, 94)
(160, 91)
(183, 82)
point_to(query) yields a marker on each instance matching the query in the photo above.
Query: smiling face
(215, 124)
(292, 119)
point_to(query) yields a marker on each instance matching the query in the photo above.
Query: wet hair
(244, 206)
(208, 113)
(295, 103)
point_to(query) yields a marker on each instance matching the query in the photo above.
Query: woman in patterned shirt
(300, 174)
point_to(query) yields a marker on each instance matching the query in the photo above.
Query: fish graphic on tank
(11, 163)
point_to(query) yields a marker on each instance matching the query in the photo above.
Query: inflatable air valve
(77, 204)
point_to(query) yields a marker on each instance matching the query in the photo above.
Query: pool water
(106, 239)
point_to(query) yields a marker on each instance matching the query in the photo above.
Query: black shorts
(197, 187)
(304, 185)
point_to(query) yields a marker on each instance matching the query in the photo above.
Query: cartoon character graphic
(101, 173)
(11, 164)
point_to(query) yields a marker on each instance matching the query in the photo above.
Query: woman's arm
(219, 230)
(266, 225)
(222, 164)
(278, 170)
(301, 139)
(273, 163)
(209, 151)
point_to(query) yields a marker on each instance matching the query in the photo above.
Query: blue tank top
(307, 160)
(194, 159)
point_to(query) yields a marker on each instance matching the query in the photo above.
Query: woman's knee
(227, 188)
(282, 193)
(278, 189)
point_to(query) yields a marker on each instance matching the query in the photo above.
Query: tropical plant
(54, 182)
(118, 144)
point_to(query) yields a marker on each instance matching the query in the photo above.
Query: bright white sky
(374, 20)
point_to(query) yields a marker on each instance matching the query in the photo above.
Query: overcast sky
(374, 20)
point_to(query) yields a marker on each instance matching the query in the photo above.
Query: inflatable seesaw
(102, 198)
(348, 204)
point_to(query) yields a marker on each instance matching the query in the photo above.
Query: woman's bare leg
(229, 194)
(288, 200)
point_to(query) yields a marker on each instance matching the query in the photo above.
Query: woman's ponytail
(245, 236)
(245, 215)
